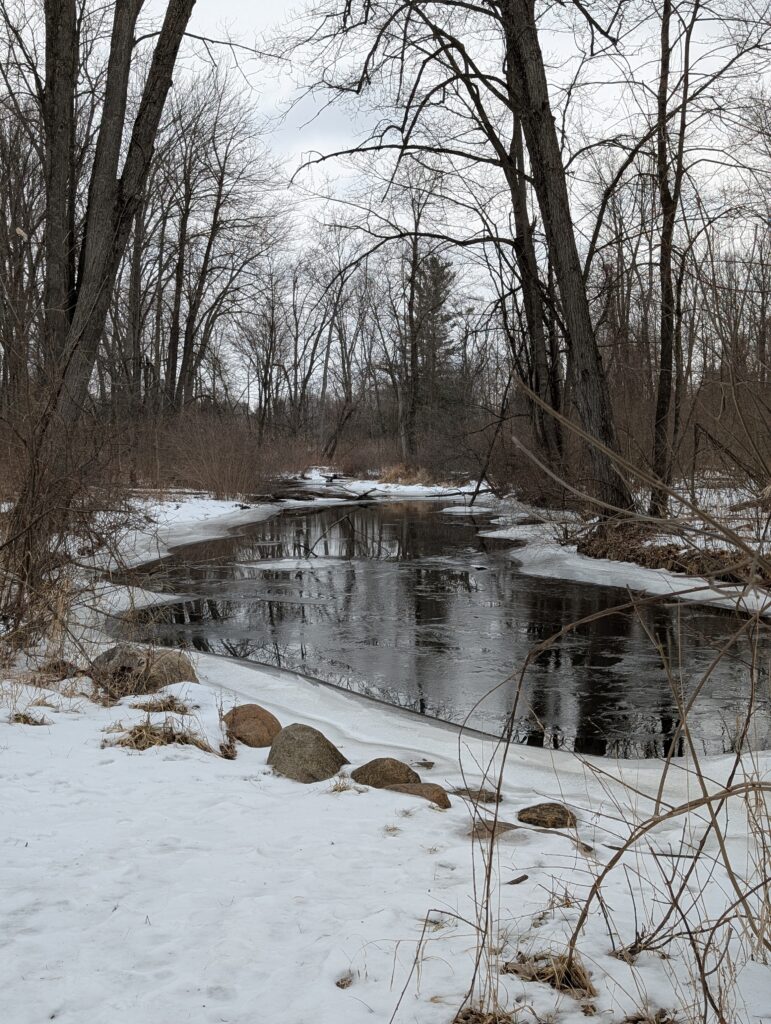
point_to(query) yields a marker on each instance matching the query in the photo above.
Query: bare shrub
(366, 457)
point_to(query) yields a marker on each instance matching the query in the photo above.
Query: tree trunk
(61, 75)
(49, 488)
(530, 98)
(547, 426)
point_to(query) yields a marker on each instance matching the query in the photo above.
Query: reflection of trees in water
(598, 719)
(405, 632)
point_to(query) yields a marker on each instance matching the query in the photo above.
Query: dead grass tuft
(341, 784)
(228, 749)
(649, 1017)
(565, 974)
(471, 1016)
(25, 718)
(169, 703)
(147, 735)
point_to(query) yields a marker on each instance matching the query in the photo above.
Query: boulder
(252, 725)
(428, 790)
(548, 816)
(384, 772)
(167, 667)
(126, 669)
(305, 754)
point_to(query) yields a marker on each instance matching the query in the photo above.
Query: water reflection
(412, 606)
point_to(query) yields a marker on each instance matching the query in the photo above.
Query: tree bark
(526, 78)
(49, 487)
(547, 427)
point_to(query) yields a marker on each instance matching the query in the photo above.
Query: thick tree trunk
(412, 374)
(668, 201)
(547, 426)
(530, 98)
(61, 75)
(49, 488)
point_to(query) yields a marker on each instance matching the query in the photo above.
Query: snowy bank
(542, 554)
(173, 885)
(191, 518)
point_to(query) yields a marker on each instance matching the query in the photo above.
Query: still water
(410, 604)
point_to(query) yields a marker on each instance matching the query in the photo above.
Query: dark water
(409, 604)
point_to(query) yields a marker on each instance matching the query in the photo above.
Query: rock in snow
(252, 725)
(124, 670)
(384, 772)
(548, 816)
(428, 790)
(304, 754)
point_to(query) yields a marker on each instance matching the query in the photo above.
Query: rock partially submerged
(252, 725)
(427, 790)
(384, 772)
(304, 754)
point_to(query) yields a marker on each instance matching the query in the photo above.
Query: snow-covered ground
(173, 885)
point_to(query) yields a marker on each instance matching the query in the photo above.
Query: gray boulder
(305, 754)
(126, 669)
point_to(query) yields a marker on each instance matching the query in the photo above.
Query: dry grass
(344, 784)
(565, 974)
(472, 1016)
(651, 1017)
(228, 749)
(341, 784)
(411, 475)
(168, 703)
(147, 735)
(25, 718)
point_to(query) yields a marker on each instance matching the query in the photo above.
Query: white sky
(306, 128)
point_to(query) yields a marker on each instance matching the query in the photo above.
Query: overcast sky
(243, 17)
(248, 21)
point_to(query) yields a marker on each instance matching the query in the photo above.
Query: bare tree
(78, 286)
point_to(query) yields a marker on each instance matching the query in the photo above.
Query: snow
(544, 555)
(187, 518)
(173, 885)
(376, 488)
